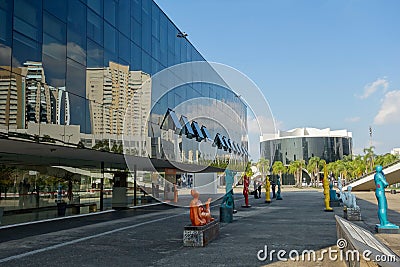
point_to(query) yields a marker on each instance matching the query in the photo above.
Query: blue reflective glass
(110, 11)
(25, 49)
(136, 32)
(136, 57)
(96, 5)
(124, 25)
(124, 47)
(136, 10)
(155, 22)
(146, 62)
(110, 38)
(6, 23)
(94, 27)
(76, 78)
(146, 33)
(57, 8)
(94, 54)
(54, 27)
(155, 48)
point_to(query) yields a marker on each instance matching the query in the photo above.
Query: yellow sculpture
(199, 214)
(267, 190)
(326, 190)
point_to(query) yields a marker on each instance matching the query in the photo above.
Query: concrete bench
(359, 241)
(200, 236)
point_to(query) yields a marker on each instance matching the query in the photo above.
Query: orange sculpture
(199, 214)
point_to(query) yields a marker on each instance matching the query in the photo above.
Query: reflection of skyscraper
(38, 106)
(110, 90)
(57, 102)
(12, 93)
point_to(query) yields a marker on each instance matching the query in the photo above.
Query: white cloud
(390, 109)
(371, 88)
(352, 119)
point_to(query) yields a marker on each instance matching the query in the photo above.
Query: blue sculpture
(332, 193)
(278, 193)
(227, 201)
(381, 183)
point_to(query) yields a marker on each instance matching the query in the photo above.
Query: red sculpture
(199, 214)
(246, 190)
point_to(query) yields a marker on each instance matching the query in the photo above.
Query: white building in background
(304, 143)
(395, 151)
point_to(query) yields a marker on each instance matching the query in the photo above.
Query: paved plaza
(153, 236)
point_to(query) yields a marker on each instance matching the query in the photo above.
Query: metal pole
(102, 187)
(134, 185)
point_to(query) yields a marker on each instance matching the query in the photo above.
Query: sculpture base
(334, 203)
(352, 214)
(387, 229)
(279, 198)
(328, 210)
(268, 201)
(200, 236)
(246, 206)
(225, 214)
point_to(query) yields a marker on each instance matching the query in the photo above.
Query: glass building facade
(69, 70)
(305, 143)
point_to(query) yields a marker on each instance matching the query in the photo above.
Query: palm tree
(263, 165)
(296, 168)
(314, 167)
(369, 158)
(278, 169)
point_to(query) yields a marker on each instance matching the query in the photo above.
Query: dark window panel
(54, 61)
(6, 22)
(76, 78)
(123, 17)
(95, 54)
(57, 8)
(136, 10)
(110, 11)
(136, 57)
(146, 62)
(124, 48)
(146, 33)
(54, 27)
(96, 6)
(136, 32)
(155, 22)
(76, 47)
(30, 14)
(80, 112)
(25, 49)
(95, 27)
(155, 48)
(110, 38)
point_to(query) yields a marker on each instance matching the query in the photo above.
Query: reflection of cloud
(5, 52)
(390, 109)
(371, 88)
(352, 119)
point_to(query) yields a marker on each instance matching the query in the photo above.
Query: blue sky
(332, 63)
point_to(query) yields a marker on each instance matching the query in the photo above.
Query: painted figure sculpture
(278, 193)
(199, 214)
(349, 199)
(332, 193)
(246, 190)
(381, 183)
(267, 190)
(326, 190)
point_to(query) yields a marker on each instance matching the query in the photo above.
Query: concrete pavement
(147, 238)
